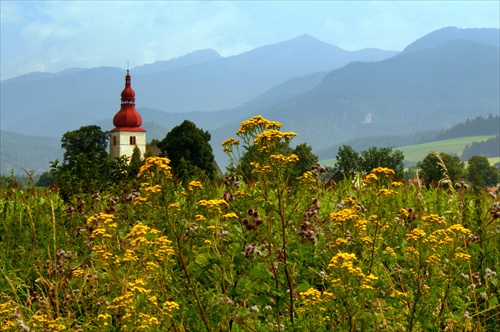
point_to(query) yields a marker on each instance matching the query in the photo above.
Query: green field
(417, 152)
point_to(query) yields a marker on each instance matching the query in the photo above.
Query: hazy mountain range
(325, 94)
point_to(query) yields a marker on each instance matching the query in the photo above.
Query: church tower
(127, 132)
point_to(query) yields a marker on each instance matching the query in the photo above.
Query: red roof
(127, 117)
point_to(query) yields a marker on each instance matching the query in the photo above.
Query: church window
(132, 140)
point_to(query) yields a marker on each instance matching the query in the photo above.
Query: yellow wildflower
(343, 215)
(415, 234)
(230, 215)
(383, 171)
(341, 258)
(463, 256)
(174, 206)
(194, 184)
(386, 192)
(459, 228)
(230, 141)
(369, 178)
(154, 189)
(77, 272)
(433, 218)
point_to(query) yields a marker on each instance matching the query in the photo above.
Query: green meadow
(417, 152)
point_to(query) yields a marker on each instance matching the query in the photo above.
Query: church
(127, 133)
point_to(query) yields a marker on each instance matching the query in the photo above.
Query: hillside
(194, 83)
(422, 91)
(448, 34)
(455, 146)
(417, 152)
(32, 153)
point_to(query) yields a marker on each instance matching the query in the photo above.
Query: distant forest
(476, 127)
(489, 148)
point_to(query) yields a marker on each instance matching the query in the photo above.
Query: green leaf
(260, 272)
(303, 287)
(493, 301)
(238, 259)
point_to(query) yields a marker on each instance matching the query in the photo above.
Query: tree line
(474, 127)
(488, 148)
(86, 166)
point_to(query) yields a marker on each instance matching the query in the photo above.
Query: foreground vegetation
(282, 252)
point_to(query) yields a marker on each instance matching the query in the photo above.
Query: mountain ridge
(222, 83)
(434, 87)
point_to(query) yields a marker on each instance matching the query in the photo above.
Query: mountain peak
(305, 40)
(488, 36)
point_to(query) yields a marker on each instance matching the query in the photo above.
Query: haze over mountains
(325, 94)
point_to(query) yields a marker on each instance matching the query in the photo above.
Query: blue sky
(50, 36)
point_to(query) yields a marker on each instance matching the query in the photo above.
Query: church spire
(127, 118)
(127, 134)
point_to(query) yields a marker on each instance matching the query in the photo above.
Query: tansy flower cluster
(433, 219)
(126, 305)
(257, 122)
(258, 169)
(313, 297)
(380, 173)
(386, 192)
(194, 184)
(345, 261)
(154, 165)
(272, 135)
(214, 205)
(343, 215)
(383, 172)
(415, 235)
(229, 143)
(45, 323)
(284, 159)
(170, 306)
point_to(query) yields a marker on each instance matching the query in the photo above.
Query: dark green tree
(383, 157)
(85, 166)
(135, 162)
(188, 149)
(152, 149)
(480, 173)
(440, 168)
(88, 140)
(348, 163)
(306, 159)
(46, 180)
(9, 181)
(119, 169)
